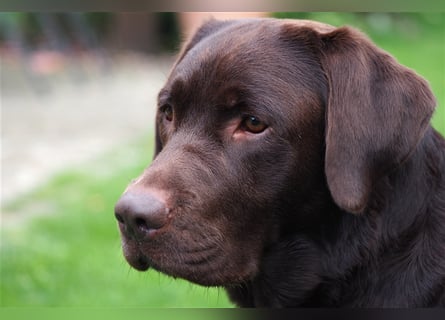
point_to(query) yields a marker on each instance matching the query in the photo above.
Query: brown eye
(253, 124)
(167, 110)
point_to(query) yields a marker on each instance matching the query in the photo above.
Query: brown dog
(295, 166)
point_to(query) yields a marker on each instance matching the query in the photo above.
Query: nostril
(119, 218)
(142, 225)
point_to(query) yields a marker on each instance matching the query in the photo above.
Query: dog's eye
(167, 110)
(253, 124)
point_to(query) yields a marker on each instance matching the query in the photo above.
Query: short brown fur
(339, 201)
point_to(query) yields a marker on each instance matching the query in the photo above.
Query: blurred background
(78, 96)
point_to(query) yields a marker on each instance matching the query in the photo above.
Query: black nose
(139, 214)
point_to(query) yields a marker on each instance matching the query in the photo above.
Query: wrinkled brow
(163, 96)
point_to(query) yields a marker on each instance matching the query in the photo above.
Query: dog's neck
(405, 214)
(416, 188)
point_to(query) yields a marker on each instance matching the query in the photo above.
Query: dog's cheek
(267, 169)
(256, 178)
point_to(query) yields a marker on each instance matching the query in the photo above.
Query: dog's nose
(141, 213)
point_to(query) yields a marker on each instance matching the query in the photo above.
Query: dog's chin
(209, 267)
(134, 257)
(139, 263)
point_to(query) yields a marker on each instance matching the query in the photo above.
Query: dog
(295, 166)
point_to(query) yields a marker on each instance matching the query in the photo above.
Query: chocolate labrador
(295, 165)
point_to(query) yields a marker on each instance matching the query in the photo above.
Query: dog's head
(261, 126)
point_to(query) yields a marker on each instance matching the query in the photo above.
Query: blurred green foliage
(37, 29)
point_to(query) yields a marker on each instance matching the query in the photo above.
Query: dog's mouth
(203, 264)
(143, 255)
(134, 256)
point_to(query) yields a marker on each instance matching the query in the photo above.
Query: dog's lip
(134, 256)
(141, 263)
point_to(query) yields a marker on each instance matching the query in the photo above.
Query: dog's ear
(377, 112)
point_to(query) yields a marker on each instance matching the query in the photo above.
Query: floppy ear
(377, 112)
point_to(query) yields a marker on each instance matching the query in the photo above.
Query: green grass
(69, 255)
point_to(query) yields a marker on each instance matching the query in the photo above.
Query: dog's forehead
(240, 44)
(236, 45)
(221, 60)
(247, 54)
